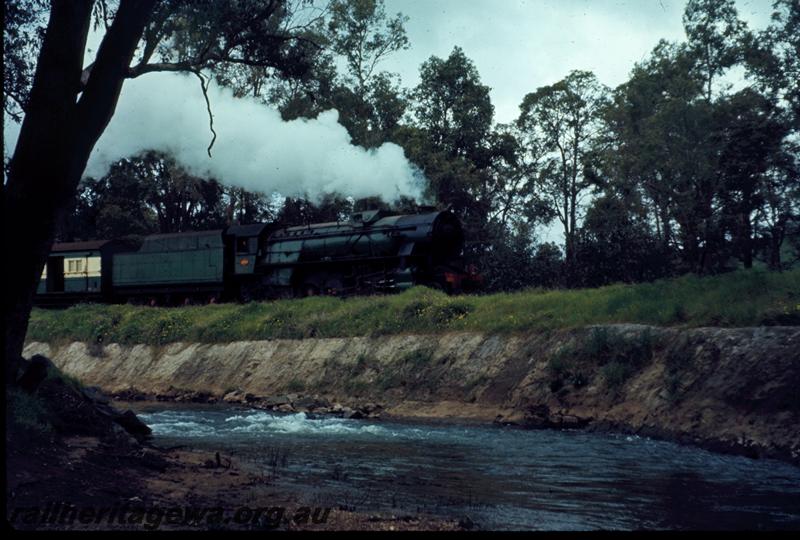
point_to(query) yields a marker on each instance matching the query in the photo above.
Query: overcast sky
(517, 46)
(520, 45)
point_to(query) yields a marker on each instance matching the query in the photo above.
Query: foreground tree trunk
(56, 138)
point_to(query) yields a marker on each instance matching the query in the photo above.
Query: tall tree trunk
(37, 190)
(777, 234)
(747, 240)
(666, 228)
(56, 138)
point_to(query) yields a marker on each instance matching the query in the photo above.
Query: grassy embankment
(744, 298)
(34, 413)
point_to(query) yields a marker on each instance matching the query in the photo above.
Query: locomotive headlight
(244, 262)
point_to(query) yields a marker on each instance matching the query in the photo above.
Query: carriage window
(74, 266)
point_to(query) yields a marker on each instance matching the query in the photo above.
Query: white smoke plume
(255, 148)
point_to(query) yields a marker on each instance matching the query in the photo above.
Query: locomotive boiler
(371, 252)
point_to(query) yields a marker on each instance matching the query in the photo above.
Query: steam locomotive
(372, 252)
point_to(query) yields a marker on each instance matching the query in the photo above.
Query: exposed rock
(275, 401)
(236, 396)
(514, 419)
(732, 387)
(371, 408)
(131, 423)
(537, 416)
(572, 421)
(84, 410)
(310, 403)
(93, 393)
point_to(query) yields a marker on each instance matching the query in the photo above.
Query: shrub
(418, 358)
(559, 362)
(416, 309)
(563, 365)
(356, 388)
(361, 363)
(450, 312)
(615, 373)
(388, 378)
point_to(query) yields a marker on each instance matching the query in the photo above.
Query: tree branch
(102, 89)
(204, 86)
(141, 69)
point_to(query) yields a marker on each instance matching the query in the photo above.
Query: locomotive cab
(244, 247)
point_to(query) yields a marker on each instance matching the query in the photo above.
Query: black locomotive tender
(373, 252)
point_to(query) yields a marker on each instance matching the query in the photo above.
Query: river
(501, 478)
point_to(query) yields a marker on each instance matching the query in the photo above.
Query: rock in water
(131, 423)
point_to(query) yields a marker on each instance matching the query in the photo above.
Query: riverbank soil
(725, 389)
(91, 475)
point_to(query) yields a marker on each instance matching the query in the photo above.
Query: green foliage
(619, 356)
(559, 362)
(452, 311)
(556, 123)
(615, 373)
(608, 346)
(362, 362)
(565, 367)
(362, 33)
(681, 164)
(405, 371)
(615, 244)
(417, 359)
(389, 377)
(743, 298)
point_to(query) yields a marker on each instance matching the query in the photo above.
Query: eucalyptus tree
(751, 133)
(68, 105)
(773, 65)
(465, 158)
(362, 33)
(453, 106)
(655, 128)
(359, 36)
(561, 122)
(716, 36)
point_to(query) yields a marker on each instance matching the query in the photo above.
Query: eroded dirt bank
(728, 389)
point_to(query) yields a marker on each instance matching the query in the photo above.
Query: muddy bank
(727, 389)
(82, 470)
(98, 483)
